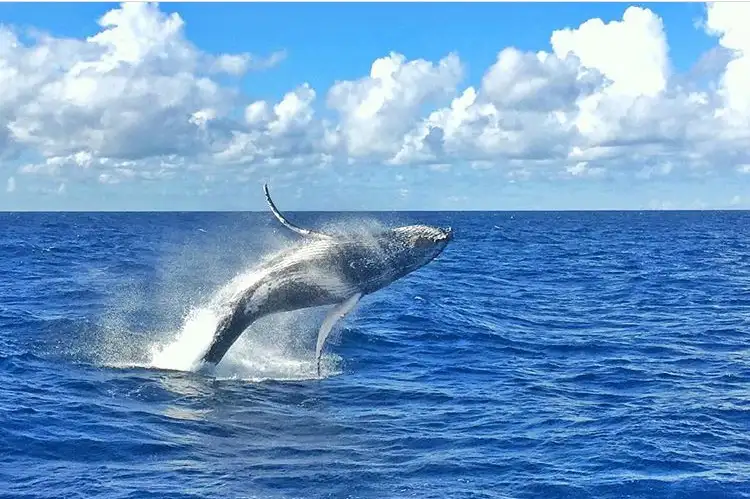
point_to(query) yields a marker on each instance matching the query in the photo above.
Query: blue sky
(643, 110)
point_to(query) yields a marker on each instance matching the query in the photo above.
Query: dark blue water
(543, 355)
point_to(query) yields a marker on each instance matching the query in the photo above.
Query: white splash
(277, 347)
(272, 348)
(184, 351)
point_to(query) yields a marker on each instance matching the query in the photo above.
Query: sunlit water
(592, 355)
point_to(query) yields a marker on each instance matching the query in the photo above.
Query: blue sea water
(542, 355)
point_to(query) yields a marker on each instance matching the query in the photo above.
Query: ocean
(542, 355)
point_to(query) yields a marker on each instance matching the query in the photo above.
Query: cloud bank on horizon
(138, 104)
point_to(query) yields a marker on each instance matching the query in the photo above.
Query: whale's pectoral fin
(334, 315)
(286, 223)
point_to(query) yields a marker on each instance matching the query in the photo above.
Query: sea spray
(274, 347)
(156, 320)
(279, 347)
(184, 351)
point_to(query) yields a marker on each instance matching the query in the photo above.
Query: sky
(374, 106)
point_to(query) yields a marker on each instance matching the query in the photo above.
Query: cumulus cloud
(595, 98)
(576, 103)
(376, 111)
(729, 23)
(285, 131)
(139, 100)
(127, 91)
(635, 66)
(135, 91)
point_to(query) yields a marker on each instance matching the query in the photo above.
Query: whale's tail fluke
(230, 328)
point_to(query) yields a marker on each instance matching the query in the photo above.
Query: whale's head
(418, 245)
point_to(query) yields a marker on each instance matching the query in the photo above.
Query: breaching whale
(325, 269)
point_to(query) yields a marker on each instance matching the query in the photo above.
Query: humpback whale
(324, 269)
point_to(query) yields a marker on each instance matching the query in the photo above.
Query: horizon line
(573, 210)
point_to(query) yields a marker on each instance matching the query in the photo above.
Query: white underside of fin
(337, 313)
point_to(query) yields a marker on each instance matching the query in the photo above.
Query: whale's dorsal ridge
(286, 223)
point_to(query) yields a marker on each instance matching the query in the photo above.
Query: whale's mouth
(441, 240)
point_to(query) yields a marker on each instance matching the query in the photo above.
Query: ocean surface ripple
(542, 355)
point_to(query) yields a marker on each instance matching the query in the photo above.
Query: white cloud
(593, 98)
(573, 102)
(377, 110)
(137, 90)
(238, 64)
(729, 22)
(660, 169)
(282, 131)
(534, 81)
(631, 53)
(582, 168)
(128, 91)
(11, 185)
(234, 64)
(271, 61)
(139, 100)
